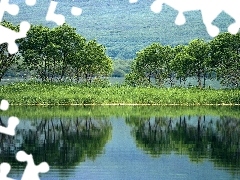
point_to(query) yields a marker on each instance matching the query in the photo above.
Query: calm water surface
(90, 145)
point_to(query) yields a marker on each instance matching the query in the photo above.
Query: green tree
(35, 50)
(135, 78)
(180, 63)
(7, 59)
(95, 62)
(51, 52)
(68, 47)
(199, 50)
(225, 58)
(153, 63)
(61, 53)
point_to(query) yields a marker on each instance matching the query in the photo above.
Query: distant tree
(7, 59)
(225, 58)
(121, 67)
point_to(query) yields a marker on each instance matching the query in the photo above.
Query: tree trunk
(199, 80)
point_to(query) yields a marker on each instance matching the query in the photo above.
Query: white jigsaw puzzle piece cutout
(4, 105)
(12, 9)
(31, 171)
(30, 2)
(4, 170)
(133, 1)
(9, 36)
(209, 10)
(59, 19)
(12, 121)
(76, 11)
(12, 124)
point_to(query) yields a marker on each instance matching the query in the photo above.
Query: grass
(35, 93)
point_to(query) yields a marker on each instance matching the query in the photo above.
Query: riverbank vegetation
(34, 93)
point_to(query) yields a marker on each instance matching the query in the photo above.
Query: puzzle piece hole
(76, 11)
(180, 20)
(14, 10)
(4, 169)
(4, 105)
(30, 2)
(31, 171)
(133, 1)
(156, 6)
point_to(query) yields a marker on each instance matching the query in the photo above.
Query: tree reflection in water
(199, 137)
(60, 142)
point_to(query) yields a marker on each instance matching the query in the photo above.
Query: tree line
(217, 59)
(61, 54)
(57, 54)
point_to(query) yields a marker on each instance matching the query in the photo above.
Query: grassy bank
(70, 94)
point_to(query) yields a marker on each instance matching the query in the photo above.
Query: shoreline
(75, 95)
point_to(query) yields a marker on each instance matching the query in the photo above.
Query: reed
(35, 93)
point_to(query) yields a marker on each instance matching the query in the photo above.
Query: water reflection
(99, 142)
(60, 142)
(199, 137)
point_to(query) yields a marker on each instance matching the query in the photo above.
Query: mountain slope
(122, 27)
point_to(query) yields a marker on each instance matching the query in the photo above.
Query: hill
(123, 28)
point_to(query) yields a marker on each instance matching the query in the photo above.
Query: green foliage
(121, 32)
(152, 64)
(134, 79)
(194, 59)
(69, 93)
(62, 54)
(94, 63)
(157, 64)
(7, 59)
(180, 63)
(226, 58)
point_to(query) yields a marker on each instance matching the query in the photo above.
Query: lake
(126, 142)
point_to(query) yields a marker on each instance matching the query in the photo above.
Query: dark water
(129, 146)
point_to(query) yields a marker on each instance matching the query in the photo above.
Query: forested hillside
(123, 28)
